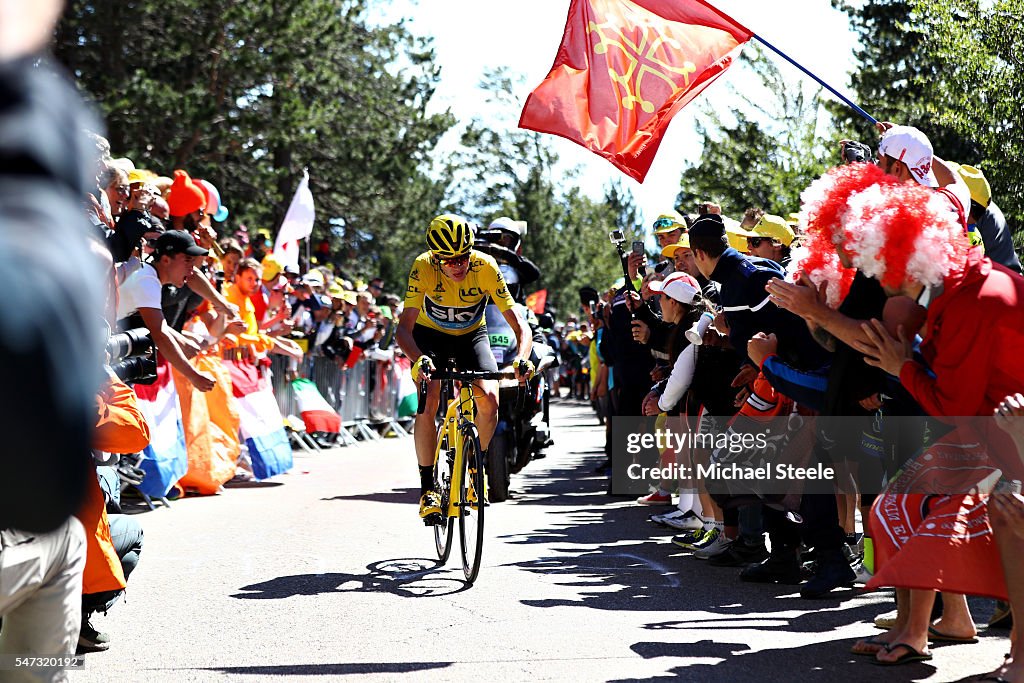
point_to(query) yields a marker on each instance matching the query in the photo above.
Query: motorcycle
(523, 429)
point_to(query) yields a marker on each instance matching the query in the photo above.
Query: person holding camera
(172, 263)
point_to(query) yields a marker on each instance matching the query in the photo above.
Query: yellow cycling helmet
(449, 236)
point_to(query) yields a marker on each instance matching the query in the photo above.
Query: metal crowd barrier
(365, 395)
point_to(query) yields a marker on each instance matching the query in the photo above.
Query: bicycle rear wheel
(472, 502)
(443, 469)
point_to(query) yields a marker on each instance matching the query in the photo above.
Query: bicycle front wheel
(443, 469)
(471, 505)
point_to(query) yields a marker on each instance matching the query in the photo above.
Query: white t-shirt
(142, 289)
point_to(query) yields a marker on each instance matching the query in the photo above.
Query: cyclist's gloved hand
(422, 368)
(524, 368)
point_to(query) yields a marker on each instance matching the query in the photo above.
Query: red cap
(185, 196)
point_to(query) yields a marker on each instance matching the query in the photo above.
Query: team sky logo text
(454, 317)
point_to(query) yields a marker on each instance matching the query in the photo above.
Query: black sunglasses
(756, 241)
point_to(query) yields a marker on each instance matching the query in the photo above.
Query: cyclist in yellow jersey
(443, 320)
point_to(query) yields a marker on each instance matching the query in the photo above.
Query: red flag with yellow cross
(623, 70)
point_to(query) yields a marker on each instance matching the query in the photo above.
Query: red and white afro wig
(904, 232)
(822, 207)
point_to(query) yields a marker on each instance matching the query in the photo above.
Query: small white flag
(297, 225)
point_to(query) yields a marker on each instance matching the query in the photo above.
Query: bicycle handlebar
(458, 376)
(469, 375)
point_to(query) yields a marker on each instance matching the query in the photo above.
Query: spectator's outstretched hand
(805, 299)
(641, 331)
(202, 381)
(1006, 510)
(761, 346)
(882, 350)
(650, 405)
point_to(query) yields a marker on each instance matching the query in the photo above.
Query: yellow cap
(981, 191)
(775, 227)
(667, 222)
(670, 250)
(272, 267)
(141, 175)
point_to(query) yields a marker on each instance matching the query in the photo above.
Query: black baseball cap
(709, 225)
(174, 242)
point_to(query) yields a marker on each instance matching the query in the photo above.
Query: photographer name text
(732, 472)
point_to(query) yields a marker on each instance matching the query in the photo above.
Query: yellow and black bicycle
(459, 467)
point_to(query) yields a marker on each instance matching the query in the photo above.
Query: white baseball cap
(911, 146)
(680, 286)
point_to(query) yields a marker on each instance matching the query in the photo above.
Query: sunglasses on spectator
(757, 241)
(456, 261)
(123, 190)
(663, 223)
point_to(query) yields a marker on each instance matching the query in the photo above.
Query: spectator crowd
(883, 314)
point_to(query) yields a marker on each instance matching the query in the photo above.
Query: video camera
(856, 152)
(617, 238)
(133, 356)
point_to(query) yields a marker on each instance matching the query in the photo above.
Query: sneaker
(740, 554)
(661, 519)
(688, 521)
(885, 621)
(430, 508)
(780, 567)
(863, 575)
(656, 498)
(691, 540)
(709, 548)
(833, 572)
(91, 640)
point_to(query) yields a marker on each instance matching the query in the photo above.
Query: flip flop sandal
(911, 655)
(869, 641)
(938, 636)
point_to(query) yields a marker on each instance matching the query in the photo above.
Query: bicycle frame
(460, 411)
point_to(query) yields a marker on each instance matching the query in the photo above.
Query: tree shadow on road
(405, 577)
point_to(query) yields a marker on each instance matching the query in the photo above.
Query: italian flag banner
(316, 412)
(407, 398)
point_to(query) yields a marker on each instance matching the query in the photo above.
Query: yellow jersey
(455, 307)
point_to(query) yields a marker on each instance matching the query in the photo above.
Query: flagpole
(825, 85)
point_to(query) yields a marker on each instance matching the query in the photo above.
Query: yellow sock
(869, 554)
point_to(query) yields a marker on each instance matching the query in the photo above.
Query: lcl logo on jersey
(466, 294)
(453, 317)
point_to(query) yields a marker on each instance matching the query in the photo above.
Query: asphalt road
(328, 574)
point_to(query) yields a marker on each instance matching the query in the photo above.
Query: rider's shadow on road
(405, 577)
(403, 496)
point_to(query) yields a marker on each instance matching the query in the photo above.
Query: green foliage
(953, 69)
(980, 49)
(767, 156)
(247, 94)
(894, 64)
